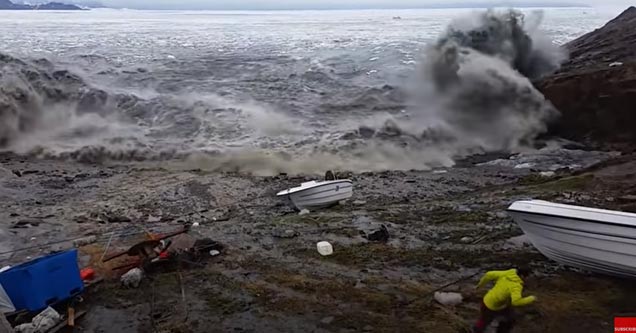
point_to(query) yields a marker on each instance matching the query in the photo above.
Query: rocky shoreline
(444, 224)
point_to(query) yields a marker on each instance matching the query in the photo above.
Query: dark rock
(207, 245)
(596, 100)
(25, 223)
(117, 218)
(366, 132)
(627, 198)
(284, 233)
(380, 235)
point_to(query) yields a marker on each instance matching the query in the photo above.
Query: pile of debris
(41, 295)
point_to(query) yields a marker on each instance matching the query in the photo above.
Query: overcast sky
(342, 4)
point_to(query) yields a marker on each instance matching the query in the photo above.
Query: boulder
(595, 89)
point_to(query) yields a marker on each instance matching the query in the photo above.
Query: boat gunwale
(573, 218)
(299, 189)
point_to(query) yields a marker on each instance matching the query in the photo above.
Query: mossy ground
(383, 287)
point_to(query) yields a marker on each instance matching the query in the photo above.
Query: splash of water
(476, 84)
(474, 94)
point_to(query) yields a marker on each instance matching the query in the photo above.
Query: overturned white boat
(319, 194)
(598, 240)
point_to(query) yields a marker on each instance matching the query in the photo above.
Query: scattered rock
(327, 320)
(5, 173)
(379, 235)
(359, 203)
(547, 174)
(81, 218)
(627, 198)
(303, 212)
(84, 241)
(517, 242)
(366, 132)
(616, 64)
(206, 245)
(466, 240)
(324, 248)
(25, 223)
(501, 215)
(450, 299)
(132, 278)
(524, 166)
(288, 233)
(112, 218)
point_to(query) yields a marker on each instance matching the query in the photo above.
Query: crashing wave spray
(41, 105)
(475, 96)
(476, 93)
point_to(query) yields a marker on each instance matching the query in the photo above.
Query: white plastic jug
(324, 248)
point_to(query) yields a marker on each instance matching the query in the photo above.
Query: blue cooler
(36, 284)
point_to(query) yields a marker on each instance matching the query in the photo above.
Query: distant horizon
(345, 8)
(282, 5)
(458, 5)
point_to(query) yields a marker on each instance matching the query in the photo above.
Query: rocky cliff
(596, 89)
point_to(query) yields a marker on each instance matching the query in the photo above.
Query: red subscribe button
(625, 324)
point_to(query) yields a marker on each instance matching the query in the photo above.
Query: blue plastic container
(44, 281)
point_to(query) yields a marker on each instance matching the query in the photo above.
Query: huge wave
(473, 93)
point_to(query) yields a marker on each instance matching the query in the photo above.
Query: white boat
(318, 194)
(598, 240)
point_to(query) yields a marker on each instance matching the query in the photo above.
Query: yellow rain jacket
(507, 290)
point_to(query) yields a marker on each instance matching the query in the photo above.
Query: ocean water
(291, 90)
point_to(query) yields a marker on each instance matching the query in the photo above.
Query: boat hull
(576, 237)
(321, 195)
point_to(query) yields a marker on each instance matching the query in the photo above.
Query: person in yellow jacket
(498, 302)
